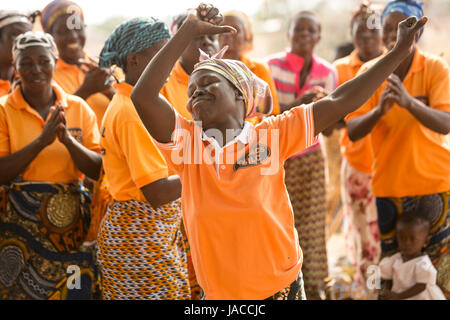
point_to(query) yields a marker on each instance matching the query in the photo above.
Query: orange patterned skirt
(141, 253)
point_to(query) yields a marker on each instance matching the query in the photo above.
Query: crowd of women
(98, 175)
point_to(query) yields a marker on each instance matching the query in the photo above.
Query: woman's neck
(41, 101)
(403, 69)
(230, 129)
(365, 58)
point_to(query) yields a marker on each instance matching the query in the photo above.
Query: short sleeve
(425, 272)
(439, 86)
(4, 134)
(295, 130)
(145, 162)
(175, 151)
(91, 133)
(386, 267)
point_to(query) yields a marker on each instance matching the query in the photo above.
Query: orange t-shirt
(236, 208)
(130, 157)
(20, 125)
(410, 159)
(70, 77)
(261, 70)
(4, 87)
(358, 154)
(175, 90)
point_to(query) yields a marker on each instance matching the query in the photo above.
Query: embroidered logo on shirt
(257, 155)
(77, 133)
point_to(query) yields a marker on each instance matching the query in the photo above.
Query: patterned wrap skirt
(141, 252)
(42, 230)
(437, 207)
(362, 237)
(305, 182)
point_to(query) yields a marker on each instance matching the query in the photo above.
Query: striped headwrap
(407, 7)
(10, 17)
(255, 91)
(135, 35)
(34, 39)
(58, 8)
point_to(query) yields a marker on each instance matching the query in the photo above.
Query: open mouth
(73, 46)
(38, 81)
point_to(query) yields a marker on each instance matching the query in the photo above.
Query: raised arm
(154, 111)
(354, 93)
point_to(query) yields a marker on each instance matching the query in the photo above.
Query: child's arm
(354, 93)
(154, 111)
(409, 293)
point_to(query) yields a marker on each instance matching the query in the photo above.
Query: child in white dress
(409, 273)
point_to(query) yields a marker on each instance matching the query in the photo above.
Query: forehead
(204, 73)
(62, 21)
(305, 19)
(412, 227)
(394, 18)
(35, 52)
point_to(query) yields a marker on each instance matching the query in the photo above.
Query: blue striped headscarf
(135, 35)
(407, 7)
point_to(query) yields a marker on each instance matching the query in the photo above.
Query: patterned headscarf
(58, 8)
(135, 35)
(407, 7)
(10, 17)
(255, 91)
(34, 39)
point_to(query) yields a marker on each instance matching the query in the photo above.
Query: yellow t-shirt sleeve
(295, 129)
(439, 86)
(145, 162)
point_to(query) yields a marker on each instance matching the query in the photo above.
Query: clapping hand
(206, 20)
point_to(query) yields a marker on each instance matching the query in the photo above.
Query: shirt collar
(355, 61)
(16, 99)
(243, 137)
(123, 88)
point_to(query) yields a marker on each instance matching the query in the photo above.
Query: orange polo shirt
(70, 77)
(236, 208)
(358, 154)
(20, 125)
(175, 90)
(4, 87)
(261, 70)
(130, 158)
(410, 159)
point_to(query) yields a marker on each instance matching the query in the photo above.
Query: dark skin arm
(411, 292)
(433, 119)
(87, 161)
(360, 127)
(154, 111)
(354, 93)
(162, 191)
